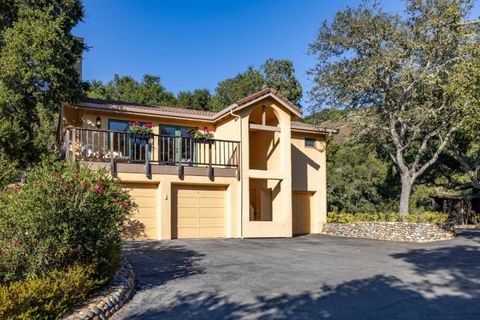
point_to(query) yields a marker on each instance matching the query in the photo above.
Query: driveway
(308, 277)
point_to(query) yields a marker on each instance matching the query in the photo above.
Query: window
(178, 149)
(125, 146)
(310, 142)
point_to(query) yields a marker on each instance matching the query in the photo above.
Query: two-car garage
(197, 211)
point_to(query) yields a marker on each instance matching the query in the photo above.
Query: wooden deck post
(74, 143)
(67, 144)
(148, 171)
(113, 166)
(210, 167)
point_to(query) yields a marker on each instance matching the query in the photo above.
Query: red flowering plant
(64, 214)
(204, 134)
(137, 128)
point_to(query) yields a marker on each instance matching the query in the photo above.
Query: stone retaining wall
(104, 303)
(391, 231)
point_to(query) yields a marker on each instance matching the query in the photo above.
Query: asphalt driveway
(308, 277)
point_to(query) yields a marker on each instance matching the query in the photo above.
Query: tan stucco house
(262, 174)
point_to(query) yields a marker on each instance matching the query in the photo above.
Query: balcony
(125, 152)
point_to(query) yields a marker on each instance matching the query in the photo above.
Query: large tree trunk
(405, 194)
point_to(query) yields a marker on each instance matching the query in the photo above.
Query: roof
(200, 115)
(143, 106)
(301, 126)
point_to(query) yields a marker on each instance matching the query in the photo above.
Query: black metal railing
(107, 145)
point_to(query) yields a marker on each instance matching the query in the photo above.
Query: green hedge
(425, 217)
(49, 296)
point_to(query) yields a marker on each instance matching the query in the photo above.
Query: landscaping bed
(425, 227)
(105, 302)
(60, 239)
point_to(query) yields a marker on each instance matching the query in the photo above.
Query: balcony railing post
(148, 172)
(113, 165)
(74, 143)
(237, 159)
(210, 167)
(67, 144)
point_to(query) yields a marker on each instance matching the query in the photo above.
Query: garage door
(301, 212)
(198, 212)
(143, 223)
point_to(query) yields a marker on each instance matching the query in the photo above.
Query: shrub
(425, 217)
(47, 297)
(64, 214)
(8, 170)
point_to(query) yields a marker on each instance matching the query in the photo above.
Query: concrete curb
(106, 302)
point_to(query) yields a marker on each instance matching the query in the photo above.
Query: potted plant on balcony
(139, 131)
(204, 135)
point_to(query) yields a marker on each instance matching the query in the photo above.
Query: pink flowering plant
(63, 215)
(135, 127)
(204, 133)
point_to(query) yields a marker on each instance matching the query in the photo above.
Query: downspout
(241, 172)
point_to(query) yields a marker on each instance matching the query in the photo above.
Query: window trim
(309, 139)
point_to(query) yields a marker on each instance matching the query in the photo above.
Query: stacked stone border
(391, 231)
(110, 299)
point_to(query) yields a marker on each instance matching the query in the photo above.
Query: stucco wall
(309, 173)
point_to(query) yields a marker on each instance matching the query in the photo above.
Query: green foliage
(200, 99)
(8, 171)
(242, 85)
(48, 296)
(37, 70)
(280, 74)
(358, 179)
(64, 214)
(406, 73)
(425, 217)
(149, 91)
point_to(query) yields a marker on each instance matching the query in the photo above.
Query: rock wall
(391, 231)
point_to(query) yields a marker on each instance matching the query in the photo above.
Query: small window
(310, 142)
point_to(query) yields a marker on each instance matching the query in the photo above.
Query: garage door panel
(215, 232)
(185, 233)
(211, 212)
(199, 212)
(211, 202)
(210, 222)
(143, 222)
(187, 212)
(188, 222)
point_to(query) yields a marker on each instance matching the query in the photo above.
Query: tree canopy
(403, 73)
(278, 74)
(125, 88)
(37, 72)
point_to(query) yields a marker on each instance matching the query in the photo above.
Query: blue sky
(195, 44)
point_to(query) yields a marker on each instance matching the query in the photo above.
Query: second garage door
(198, 212)
(301, 212)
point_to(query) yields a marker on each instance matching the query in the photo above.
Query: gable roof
(200, 115)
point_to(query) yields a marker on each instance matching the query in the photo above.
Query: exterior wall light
(98, 122)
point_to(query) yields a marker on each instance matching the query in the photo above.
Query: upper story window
(310, 142)
(117, 125)
(178, 131)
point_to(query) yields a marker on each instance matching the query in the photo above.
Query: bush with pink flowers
(65, 214)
